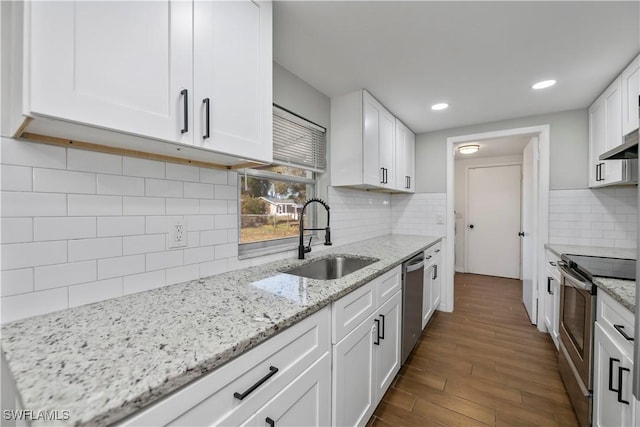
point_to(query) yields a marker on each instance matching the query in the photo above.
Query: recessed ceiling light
(543, 84)
(440, 106)
(468, 149)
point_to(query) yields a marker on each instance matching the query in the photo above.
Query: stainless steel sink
(329, 268)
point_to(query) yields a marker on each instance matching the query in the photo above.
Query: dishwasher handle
(415, 266)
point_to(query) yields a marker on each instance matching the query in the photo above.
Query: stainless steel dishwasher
(412, 282)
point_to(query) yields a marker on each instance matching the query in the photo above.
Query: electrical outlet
(439, 219)
(177, 235)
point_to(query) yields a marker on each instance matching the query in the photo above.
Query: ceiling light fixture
(440, 106)
(543, 84)
(468, 149)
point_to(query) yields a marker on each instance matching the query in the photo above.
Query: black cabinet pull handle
(381, 336)
(381, 175)
(409, 182)
(549, 279)
(206, 103)
(553, 263)
(620, 371)
(240, 396)
(437, 250)
(620, 328)
(435, 272)
(271, 422)
(185, 100)
(611, 360)
(377, 341)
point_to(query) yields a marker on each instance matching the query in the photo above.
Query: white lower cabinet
(367, 359)
(552, 298)
(431, 287)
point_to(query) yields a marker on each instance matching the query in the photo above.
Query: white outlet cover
(177, 235)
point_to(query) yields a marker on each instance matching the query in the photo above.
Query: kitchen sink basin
(333, 267)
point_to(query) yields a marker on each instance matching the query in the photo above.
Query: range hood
(628, 150)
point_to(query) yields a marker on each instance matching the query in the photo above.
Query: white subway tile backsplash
(144, 244)
(13, 282)
(193, 239)
(24, 153)
(229, 250)
(232, 235)
(93, 161)
(120, 266)
(200, 222)
(144, 282)
(226, 222)
(63, 228)
(144, 168)
(55, 276)
(83, 205)
(121, 225)
(193, 190)
(20, 255)
(166, 259)
(232, 207)
(213, 207)
(183, 274)
(62, 181)
(198, 255)
(85, 249)
(160, 224)
(182, 206)
(16, 230)
(34, 303)
(142, 205)
(226, 192)
(213, 237)
(120, 185)
(16, 178)
(214, 176)
(88, 293)
(33, 204)
(213, 267)
(182, 172)
(163, 188)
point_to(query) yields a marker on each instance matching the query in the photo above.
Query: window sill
(277, 249)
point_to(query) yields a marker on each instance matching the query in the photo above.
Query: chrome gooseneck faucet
(302, 249)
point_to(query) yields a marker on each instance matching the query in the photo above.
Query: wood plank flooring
(482, 365)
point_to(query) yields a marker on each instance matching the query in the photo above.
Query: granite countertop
(104, 361)
(623, 291)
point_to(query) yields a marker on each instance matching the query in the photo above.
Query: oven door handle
(573, 279)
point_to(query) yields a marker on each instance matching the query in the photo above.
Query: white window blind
(298, 142)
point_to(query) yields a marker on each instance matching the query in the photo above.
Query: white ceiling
(497, 147)
(480, 57)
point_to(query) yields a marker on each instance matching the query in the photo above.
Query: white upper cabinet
(190, 79)
(114, 65)
(363, 135)
(605, 133)
(232, 75)
(405, 158)
(630, 93)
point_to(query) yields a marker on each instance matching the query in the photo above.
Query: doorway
(532, 267)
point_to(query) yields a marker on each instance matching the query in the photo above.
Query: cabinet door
(232, 77)
(436, 289)
(401, 154)
(114, 65)
(612, 372)
(597, 136)
(353, 391)
(388, 352)
(304, 402)
(427, 289)
(630, 93)
(410, 160)
(386, 149)
(373, 174)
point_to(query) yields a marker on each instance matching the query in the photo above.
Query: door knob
(521, 234)
(470, 225)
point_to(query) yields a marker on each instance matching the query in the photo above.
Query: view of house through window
(271, 199)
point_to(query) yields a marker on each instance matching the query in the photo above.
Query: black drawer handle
(377, 341)
(240, 396)
(620, 328)
(271, 422)
(611, 360)
(207, 117)
(553, 263)
(620, 371)
(435, 272)
(381, 335)
(185, 99)
(549, 291)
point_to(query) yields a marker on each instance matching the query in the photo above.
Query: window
(272, 197)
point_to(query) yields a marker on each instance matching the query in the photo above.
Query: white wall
(569, 140)
(460, 176)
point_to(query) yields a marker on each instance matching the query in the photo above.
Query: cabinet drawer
(211, 401)
(614, 318)
(388, 284)
(350, 310)
(432, 252)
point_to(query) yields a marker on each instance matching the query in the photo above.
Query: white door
(353, 371)
(493, 221)
(304, 402)
(115, 65)
(388, 352)
(529, 195)
(232, 77)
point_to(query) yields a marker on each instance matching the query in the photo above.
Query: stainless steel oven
(577, 316)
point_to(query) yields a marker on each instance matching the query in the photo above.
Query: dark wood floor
(483, 364)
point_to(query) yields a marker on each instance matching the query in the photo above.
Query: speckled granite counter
(623, 291)
(106, 360)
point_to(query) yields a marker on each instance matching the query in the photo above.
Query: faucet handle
(308, 247)
(327, 236)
